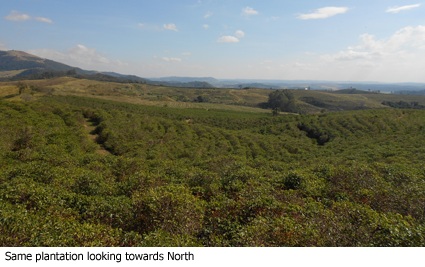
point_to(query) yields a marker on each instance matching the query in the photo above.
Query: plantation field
(179, 104)
(84, 171)
(218, 98)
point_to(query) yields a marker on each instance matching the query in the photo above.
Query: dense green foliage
(403, 104)
(195, 177)
(283, 100)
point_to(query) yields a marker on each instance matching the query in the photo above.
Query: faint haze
(353, 40)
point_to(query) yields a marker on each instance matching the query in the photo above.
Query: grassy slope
(10, 73)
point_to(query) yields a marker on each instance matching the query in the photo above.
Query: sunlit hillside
(250, 100)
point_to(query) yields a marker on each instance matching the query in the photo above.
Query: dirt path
(402, 116)
(238, 98)
(90, 126)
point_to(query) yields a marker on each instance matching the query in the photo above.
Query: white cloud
(249, 11)
(206, 26)
(309, 53)
(3, 44)
(240, 33)
(47, 20)
(141, 24)
(186, 54)
(324, 12)
(171, 26)
(408, 36)
(228, 39)
(155, 57)
(171, 59)
(350, 55)
(166, 51)
(17, 16)
(397, 9)
(78, 56)
(209, 14)
(397, 58)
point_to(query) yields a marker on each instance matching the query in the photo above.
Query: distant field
(407, 98)
(178, 104)
(10, 73)
(247, 100)
(9, 92)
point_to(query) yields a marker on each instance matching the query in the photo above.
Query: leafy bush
(223, 179)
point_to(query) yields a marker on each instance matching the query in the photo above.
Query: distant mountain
(18, 60)
(352, 92)
(18, 65)
(210, 80)
(294, 84)
(33, 67)
(420, 92)
(28, 66)
(127, 77)
(389, 87)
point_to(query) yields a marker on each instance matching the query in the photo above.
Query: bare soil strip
(89, 126)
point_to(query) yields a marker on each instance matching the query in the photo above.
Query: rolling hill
(18, 60)
(308, 101)
(18, 65)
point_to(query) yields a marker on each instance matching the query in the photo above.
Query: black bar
(99, 256)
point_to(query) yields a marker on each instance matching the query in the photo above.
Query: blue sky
(316, 40)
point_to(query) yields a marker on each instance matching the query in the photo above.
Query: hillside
(308, 101)
(18, 60)
(18, 65)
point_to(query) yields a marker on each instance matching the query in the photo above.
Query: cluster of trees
(202, 99)
(281, 100)
(403, 104)
(314, 101)
(27, 91)
(224, 179)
